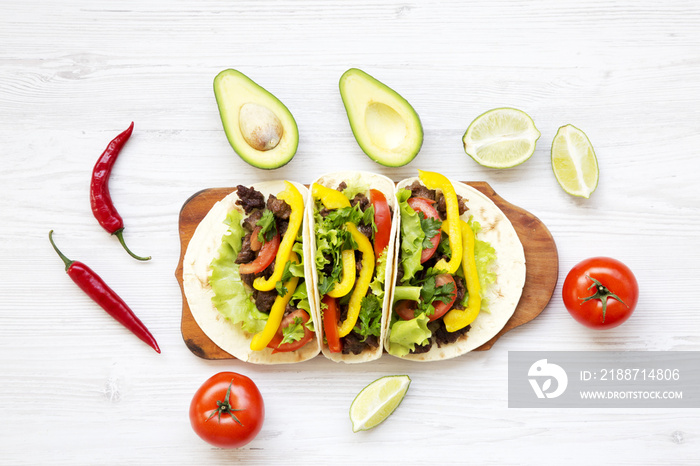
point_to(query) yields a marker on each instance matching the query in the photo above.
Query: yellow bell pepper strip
(262, 339)
(457, 319)
(434, 180)
(365, 247)
(334, 199)
(331, 198)
(445, 227)
(349, 273)
(293, 197)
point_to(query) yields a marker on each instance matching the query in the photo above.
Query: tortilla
(386, 186)
(503, 295)
(201, 251)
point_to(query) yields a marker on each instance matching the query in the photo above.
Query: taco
(243, 275)
(460, 270)
(352, 224)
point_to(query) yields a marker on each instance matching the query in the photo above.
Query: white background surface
(77, 388)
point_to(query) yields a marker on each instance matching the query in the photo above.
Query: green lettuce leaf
(407, 292)
(331, 239)
(412, 237)
(298, 269)
(231, 298)
(329, 246)
(406, 334)
(355, 186)
(300, 298)
(485, 256)
(377, 285)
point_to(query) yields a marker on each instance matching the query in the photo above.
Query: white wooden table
(77, 388)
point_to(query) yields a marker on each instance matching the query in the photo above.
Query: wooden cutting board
(542, 265)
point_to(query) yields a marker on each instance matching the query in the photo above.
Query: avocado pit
(260, 127)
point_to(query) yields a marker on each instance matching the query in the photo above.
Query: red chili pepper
(97, 289)
(100, 199)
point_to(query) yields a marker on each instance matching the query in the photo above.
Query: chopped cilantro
(293, 332)
(336, 218)
(268, 226)
(444, 247)
(431, 227)
(369, 321)
(368, 218)
(327, 282)
(431, 292)
(286, 275)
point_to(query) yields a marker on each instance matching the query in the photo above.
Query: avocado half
(385, 125)
(258, 126)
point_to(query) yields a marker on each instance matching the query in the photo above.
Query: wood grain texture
(541, 262)
(540, 256)
(192, 212)
(76, 388)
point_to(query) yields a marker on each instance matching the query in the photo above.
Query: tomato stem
(224, 406)
(601, 293)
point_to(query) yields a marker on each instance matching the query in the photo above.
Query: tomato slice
(423, 205)
(440, 307)
(255, 243)
(405, 308)
(382, 218)
(276, 342)
(267, 254)
(330, 324)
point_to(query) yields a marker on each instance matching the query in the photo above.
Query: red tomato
(227, 411)
(405, 308)
(382, 218)
(255, 243)
(276, 342)
(267, 254)
(440, 307)
(420, 204)
(330, 324)
(605, 304)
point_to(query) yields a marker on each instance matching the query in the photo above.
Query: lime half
(574, 161)
(501, 138)
(377, 401)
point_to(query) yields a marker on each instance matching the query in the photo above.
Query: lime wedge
(574, 161)
(377, 401)
(501, 138)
